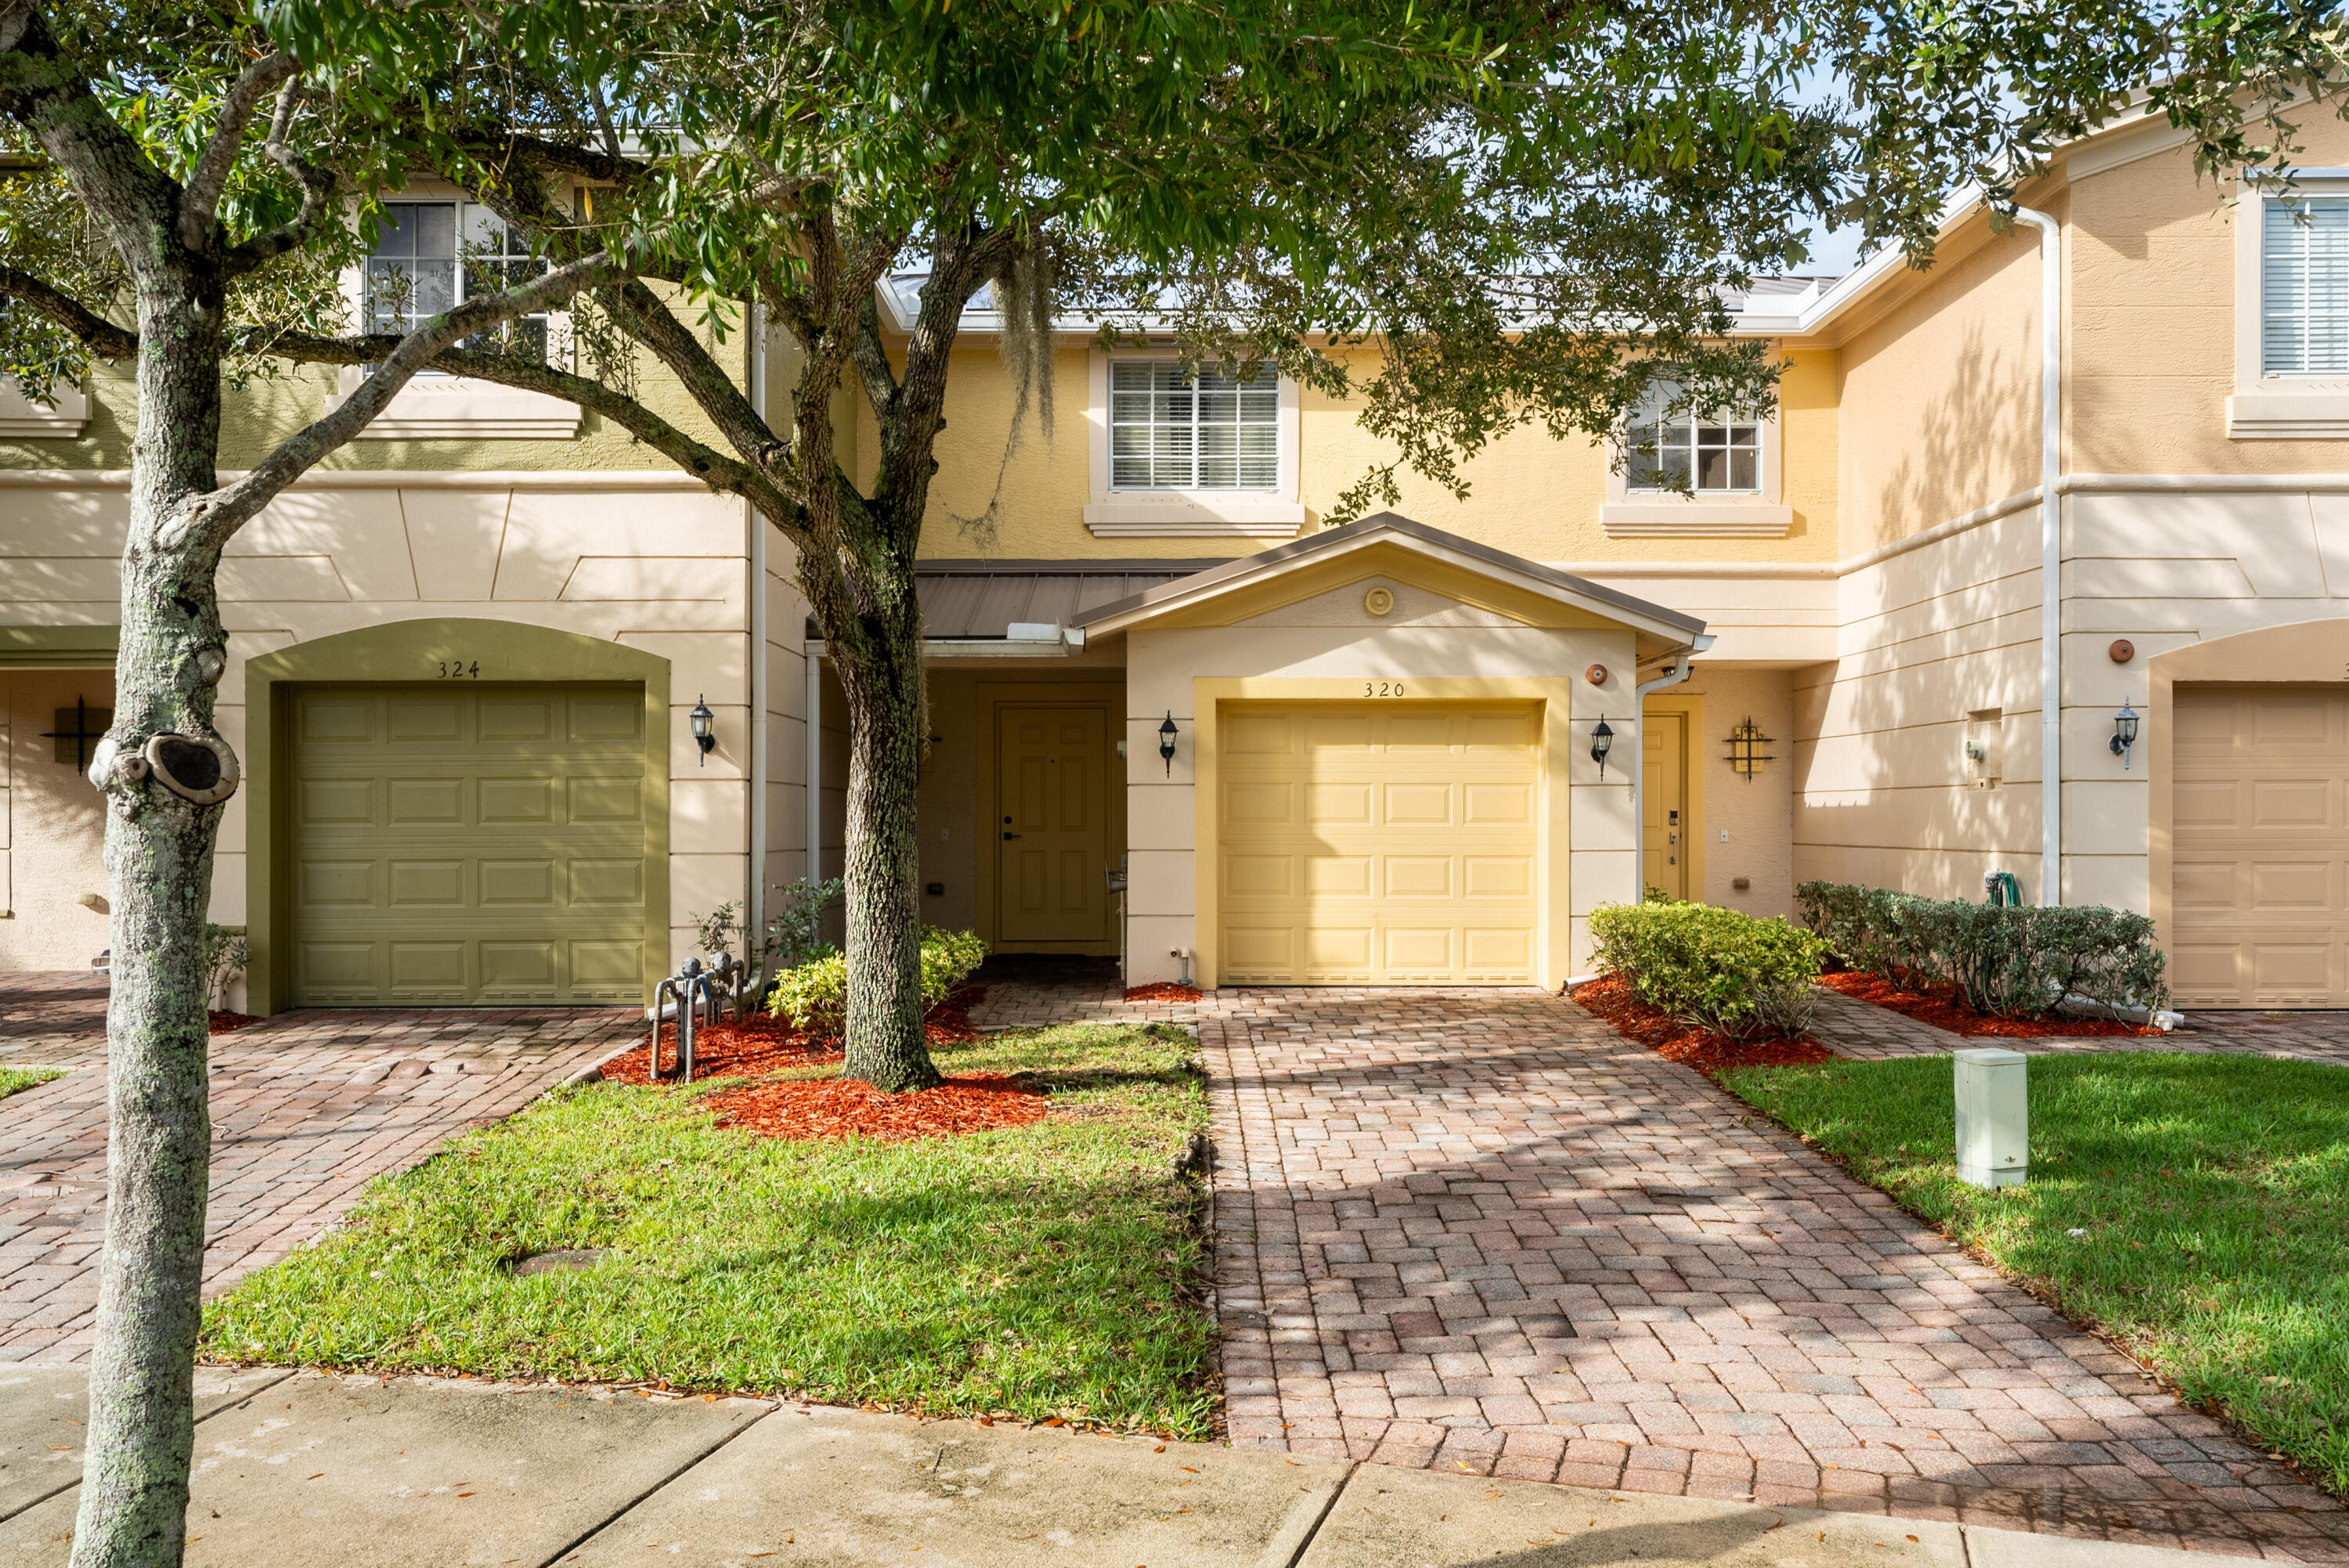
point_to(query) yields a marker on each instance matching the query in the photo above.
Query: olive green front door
(467, 843)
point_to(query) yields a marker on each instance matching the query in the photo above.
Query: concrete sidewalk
(296, 1468)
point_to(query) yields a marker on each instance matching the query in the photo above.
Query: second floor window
(2304, 287)
(1716, 456)
(1206, 432)
(432, 255)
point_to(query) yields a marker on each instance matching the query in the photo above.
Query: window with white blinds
(1202, 431)
(2304, 287)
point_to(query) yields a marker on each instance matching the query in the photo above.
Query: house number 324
(458, 670)
(1382, 688)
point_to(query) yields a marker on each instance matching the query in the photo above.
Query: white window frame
(1274, 513)
(1757, 513)
(436, 407)
(2287, 405)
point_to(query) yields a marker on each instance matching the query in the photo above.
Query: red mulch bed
(1939, 1005)
(756, 1044)
(761, 1043)
(844, 1108)
(1692, 1045)
(1163, 991)
(221, 1023)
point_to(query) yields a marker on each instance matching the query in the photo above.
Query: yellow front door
(1664, 793)
(1053, 884)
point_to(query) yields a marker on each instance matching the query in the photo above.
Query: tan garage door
(476, 844)
(2259, 847)
(1378, 844)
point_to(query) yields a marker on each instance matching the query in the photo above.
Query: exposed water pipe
(2050, 552)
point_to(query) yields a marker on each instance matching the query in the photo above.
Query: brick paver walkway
(1855, 1028)
(306, 1107)
(51, 1019)
(1025, 993)
(1480, 1231)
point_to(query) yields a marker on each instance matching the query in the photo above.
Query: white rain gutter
(1683, 665)
(2051, 553)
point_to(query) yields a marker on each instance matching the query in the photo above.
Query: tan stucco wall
(2153, 300)
(254, 420)
(1940, 393)
(51, 825)
(1327, 636)
(661, 569)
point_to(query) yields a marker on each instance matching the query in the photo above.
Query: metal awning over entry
(1025, 602)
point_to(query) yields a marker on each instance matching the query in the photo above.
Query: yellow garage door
(479, 844)
(1378, 844)
(2260, 846)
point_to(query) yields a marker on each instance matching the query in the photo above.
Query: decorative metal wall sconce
(1745, 753)
(703, 723)
(2124, 739)
(1166, 734)
(1602, 741)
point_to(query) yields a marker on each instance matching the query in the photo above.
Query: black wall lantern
(1602, 741)
(1167, 733)
(2124, 732)
(701, 721)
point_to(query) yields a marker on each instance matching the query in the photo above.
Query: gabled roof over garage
(1389, 545)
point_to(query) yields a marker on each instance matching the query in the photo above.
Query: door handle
(1010, 835)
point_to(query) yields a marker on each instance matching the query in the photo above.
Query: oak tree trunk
(158, 864)
(889, 716)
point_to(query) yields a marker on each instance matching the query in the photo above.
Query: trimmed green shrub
(2019, 961)
(814, 994)
(1746, 978)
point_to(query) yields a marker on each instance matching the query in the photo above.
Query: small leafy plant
(814, 994)
(1746, 978)
(224, 953)
(789, 937)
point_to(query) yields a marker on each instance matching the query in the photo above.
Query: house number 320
(1382, 688)
(458, 670)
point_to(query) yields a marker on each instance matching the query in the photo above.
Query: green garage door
(481, 844)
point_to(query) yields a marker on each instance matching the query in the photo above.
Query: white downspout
(815, 769)
(2051, 553)
(1682, 667)
(754, 902)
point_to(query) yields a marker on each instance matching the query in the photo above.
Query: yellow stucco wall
(1529, 494)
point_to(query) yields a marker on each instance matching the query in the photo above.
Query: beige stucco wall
(1426, 636)
(659, 565)
(51, 825)
(1940, 392)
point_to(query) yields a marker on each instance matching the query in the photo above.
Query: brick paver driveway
(1480, 1230)
(306, 1107)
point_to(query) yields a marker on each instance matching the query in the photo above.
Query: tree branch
(101, 337)
(199, 201)
(640, 312)
(317, 190)
(219, 514)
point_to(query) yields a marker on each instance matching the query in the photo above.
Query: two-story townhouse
(468, 652)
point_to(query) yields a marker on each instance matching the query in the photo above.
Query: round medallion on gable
(1378, 601)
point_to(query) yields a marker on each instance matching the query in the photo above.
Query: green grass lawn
(1043, 1270)
(14, 1078)
(2213, 1192)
